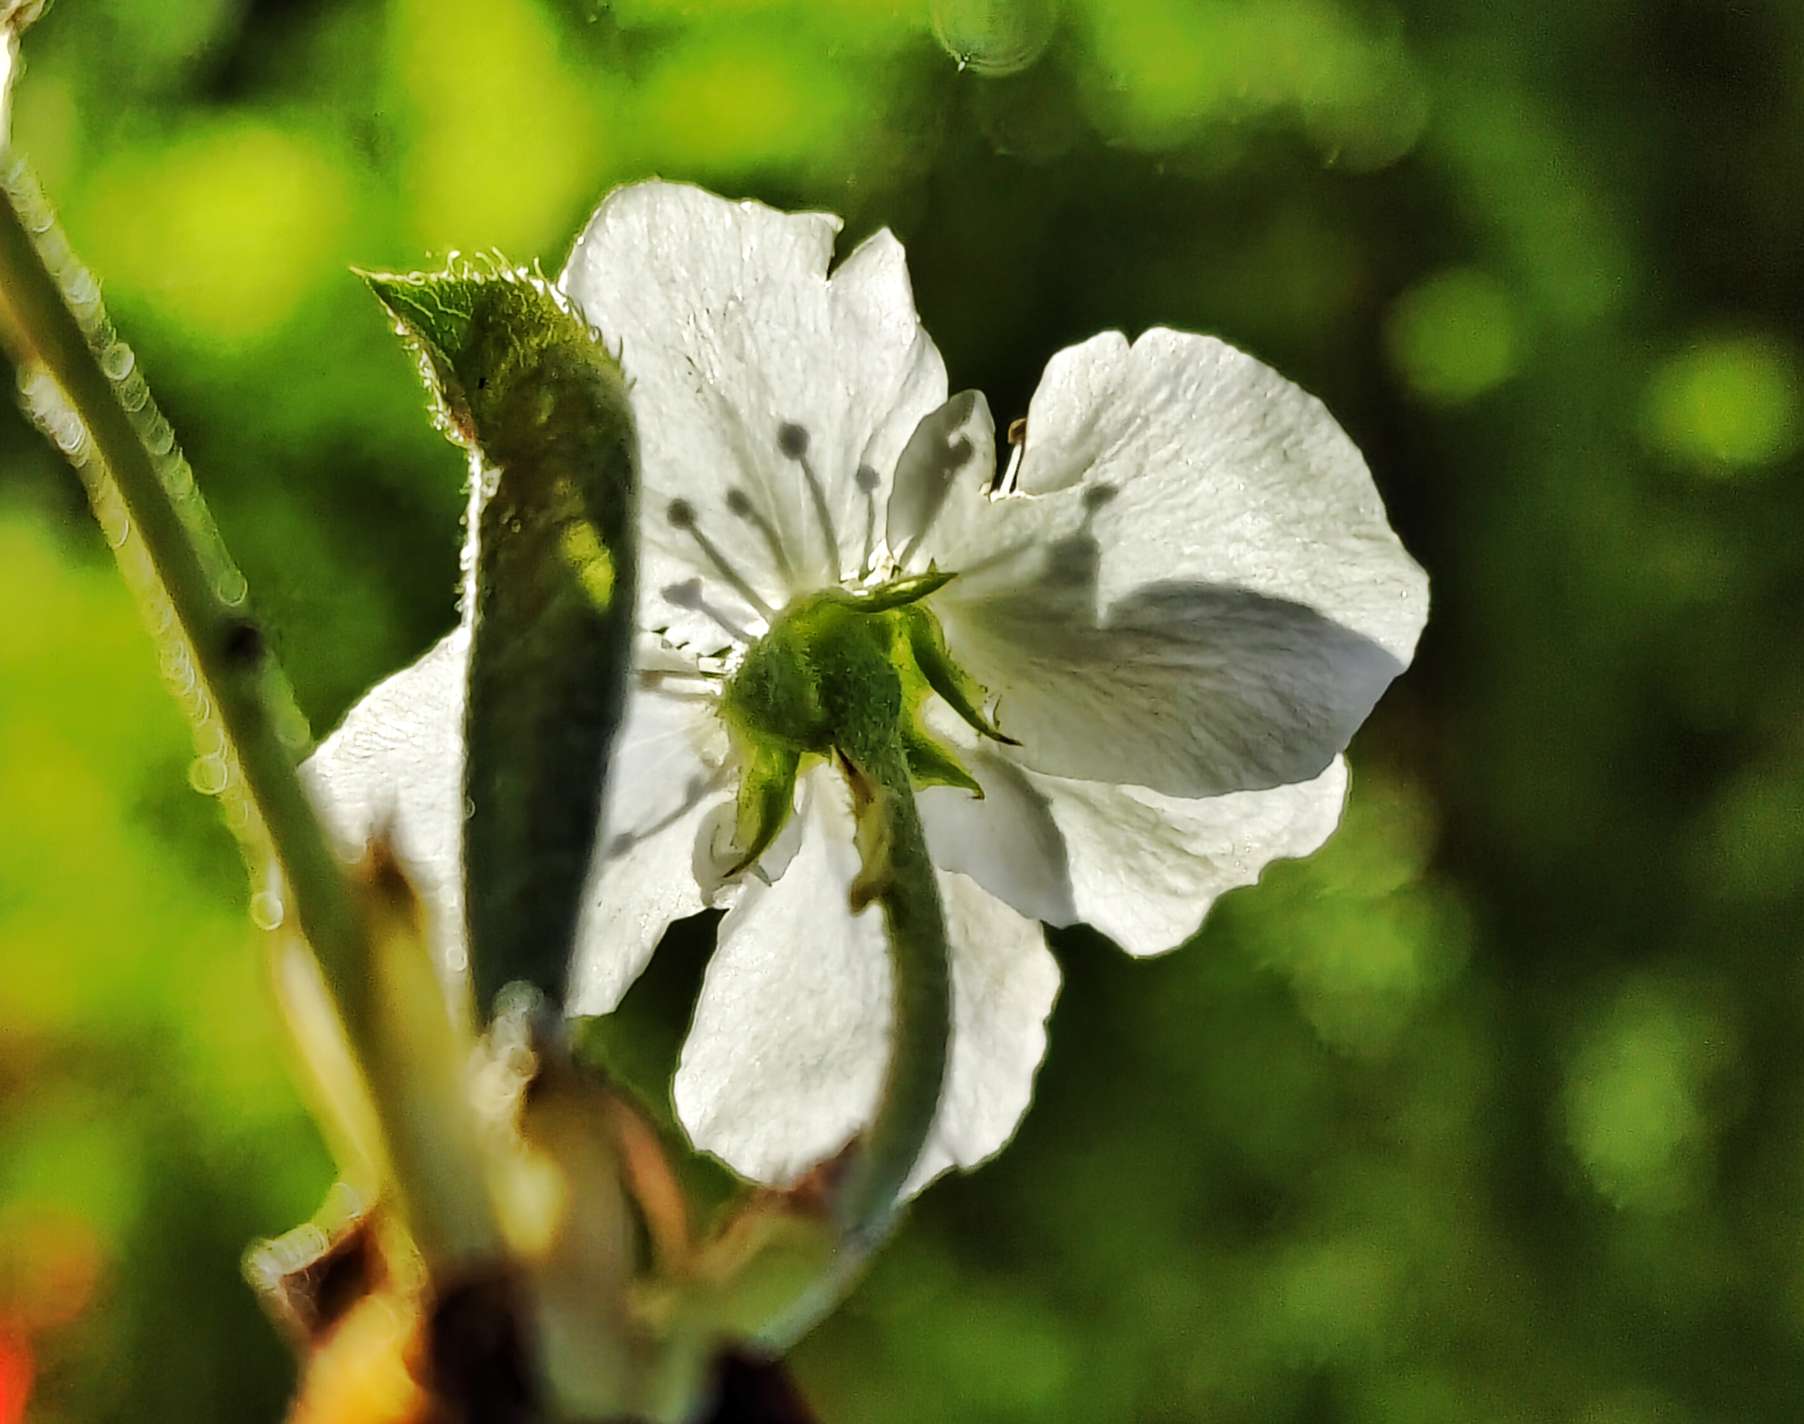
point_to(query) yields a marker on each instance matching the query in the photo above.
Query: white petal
(666, 779)
(784, 1060)
(1145, 868)
(394, 767)
(1007, 841)
(953, 449)
(1142, 868)
(1191, 690)
(1196, 589)
(716, 855)
(754, 373)
(1004, 982)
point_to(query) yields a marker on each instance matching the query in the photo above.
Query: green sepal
(930, 764)
(898, 593)
(954, 685)
(767, 793)
(524, 384)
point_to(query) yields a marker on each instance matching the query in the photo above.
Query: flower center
(843, 674)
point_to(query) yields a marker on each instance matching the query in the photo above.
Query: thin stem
(203, 590)
(373, 963)
(804, 1268)
(898, 876)
(392, 1011)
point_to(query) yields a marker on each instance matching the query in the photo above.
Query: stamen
(1006, 485)
(792, 440)
(867, 484)
(1017, 439)
(682, 516)
(689, 595)
(739, 504)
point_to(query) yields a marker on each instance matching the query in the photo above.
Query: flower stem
(898, 876)
(51, 317)
(779, 1272)
(84, 388)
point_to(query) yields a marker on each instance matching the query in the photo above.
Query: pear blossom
(1163, 622)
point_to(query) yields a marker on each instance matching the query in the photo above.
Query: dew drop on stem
(267, 910)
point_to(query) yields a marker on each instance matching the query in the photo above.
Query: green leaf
(524, 383)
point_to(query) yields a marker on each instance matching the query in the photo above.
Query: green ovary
(848, 676)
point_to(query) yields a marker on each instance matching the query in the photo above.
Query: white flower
(1183, 599)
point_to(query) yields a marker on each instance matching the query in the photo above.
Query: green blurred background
(1494, 1110)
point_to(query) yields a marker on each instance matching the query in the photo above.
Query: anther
(792, 440)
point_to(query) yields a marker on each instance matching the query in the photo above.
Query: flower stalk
(52, 320)
(897, 876)
(85, 389)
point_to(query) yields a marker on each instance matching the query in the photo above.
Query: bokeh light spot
(15, 1375)
(995, 36)
(1171, 68)
(224, 231)
(1726, 402)
(738, 102)
(1330, 1300)
(1454, 336)
(1165, 71)
(506, 137)
(1636, 1115)
(51, 1261)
